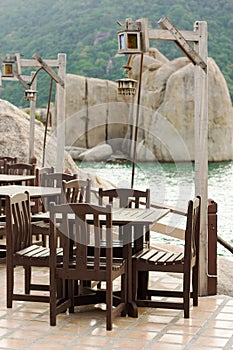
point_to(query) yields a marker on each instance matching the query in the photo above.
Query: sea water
(174, 184)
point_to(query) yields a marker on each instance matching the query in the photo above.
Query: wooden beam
(164, 34)
(180, 41)
(34, 63)
(49, 70)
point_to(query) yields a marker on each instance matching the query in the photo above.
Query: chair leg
(186, 294)
(27, 281)
(143, 277)
(10, 285)
(134, 283)
(123, 293)
(53, 298)
(70, 295)
(109, 304)
(195, 285)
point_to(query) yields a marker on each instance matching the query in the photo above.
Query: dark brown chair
(76, 191)
(128, 198)
(22, 169)
(4, 161)
(55, 180)
(40, 172)
(21, 251)
(2, 246)
(49, 180)
(38, 207)
(151, 259)
(2, 166)
(82, 266)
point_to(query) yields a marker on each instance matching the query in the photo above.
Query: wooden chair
(49, 180)
(21, 169)
(76, 191)
(4, 161)
(40, 172)
(55, 180)
(2, 166)
(81, 266)
(151, 259)
(124, 198)
(38, 207)
(2, 246)
(21, 251)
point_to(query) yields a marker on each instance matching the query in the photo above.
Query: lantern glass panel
(7, 69)
(132, 40)
(122, 41)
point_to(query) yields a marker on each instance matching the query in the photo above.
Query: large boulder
(14, 141)
(15, 129)
(95, 113)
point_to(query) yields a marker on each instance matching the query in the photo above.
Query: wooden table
(126, 218)
(34, 191)
(7, 178)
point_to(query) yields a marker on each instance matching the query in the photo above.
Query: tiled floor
(26, 325)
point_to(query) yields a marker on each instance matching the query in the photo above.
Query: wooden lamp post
(12, 70)
(198, 55)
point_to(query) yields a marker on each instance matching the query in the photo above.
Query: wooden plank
(60, 101)
(201, 151)
(33, 63)
(168, 230)
(157, 257)
(164, 34)
(48, 69)
(183, 44)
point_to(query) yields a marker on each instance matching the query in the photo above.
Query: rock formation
(97, 114)
(14, 141)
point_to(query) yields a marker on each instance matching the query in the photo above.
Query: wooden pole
(61, 113)
(32, 121)
(136, 122)
(201, 150)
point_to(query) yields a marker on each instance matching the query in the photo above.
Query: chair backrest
(21, 169)
(125, 197)
(10, 160)
(76, 191)
(4, 161)
(39, 205)
(2, 166)
(55, 180)
(192, 231)
(84, 230)
(18, 222)
(40, 172)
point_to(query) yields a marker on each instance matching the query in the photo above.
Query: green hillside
(86, 30)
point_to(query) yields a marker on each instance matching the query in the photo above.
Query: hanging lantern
(129, 41)
(8, 66)
(30, 95)
(127, 86)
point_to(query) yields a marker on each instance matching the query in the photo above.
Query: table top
(6, 178)
(34, 191)
(123, 216)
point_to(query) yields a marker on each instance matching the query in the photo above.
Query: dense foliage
(86, 30)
